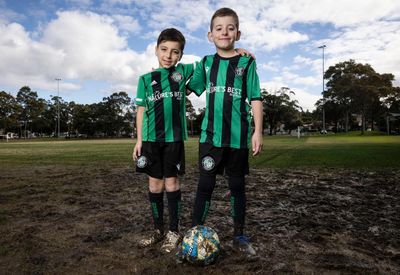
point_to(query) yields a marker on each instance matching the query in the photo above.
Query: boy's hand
(137, 151)
(256, 143)
(244, 52)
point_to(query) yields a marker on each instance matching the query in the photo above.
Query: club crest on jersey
(239, 71)
(141, 162)
(208, 163)
(176, 76)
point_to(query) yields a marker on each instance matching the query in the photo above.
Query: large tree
(111, 113)
(357, 88)
(8, 112)
(279, 109)
(30, 108)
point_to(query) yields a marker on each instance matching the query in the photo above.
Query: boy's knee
(171, 184)
(236, 185)
(206, 184)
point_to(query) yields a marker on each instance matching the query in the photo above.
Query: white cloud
(86, 46)
(305, 99)
(272, 66)
(75, 46)
(127, 23)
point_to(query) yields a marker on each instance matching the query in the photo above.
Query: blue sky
(99, 47)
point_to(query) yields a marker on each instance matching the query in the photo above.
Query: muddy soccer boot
(154, 238)
(242, 244)
(171, 242)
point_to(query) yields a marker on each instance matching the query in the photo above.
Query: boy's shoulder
(215, 55)
(146, 75)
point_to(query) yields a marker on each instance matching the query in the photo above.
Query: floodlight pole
(323, 87)
(58, 106)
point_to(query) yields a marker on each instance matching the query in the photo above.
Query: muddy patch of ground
(85, 220)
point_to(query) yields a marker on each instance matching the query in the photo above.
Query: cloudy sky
(98, 47)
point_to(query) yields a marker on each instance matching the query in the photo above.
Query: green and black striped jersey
(230, 84)
(163, 94)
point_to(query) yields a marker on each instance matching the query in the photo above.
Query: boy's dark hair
(172, 34)
(225, 12)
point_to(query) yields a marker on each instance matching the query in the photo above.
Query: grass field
(342, 151)
(317, 205)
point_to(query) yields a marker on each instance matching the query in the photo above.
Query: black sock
(174, 209)
(157, 209)
(205, 188)
(238, 203)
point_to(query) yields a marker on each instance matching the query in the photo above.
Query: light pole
(58, 106)
(323, 88)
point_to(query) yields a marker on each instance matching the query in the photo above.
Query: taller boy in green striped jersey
(161, 130)
(232, 86)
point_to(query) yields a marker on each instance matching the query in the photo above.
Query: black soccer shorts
(217, 160)
(162, 159)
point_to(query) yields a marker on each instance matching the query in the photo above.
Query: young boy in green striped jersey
(232, 85)
(161, 130)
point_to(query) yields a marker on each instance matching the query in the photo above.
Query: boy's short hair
(172, 34)
(225, 12)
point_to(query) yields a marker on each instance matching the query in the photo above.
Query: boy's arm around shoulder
(197, 83)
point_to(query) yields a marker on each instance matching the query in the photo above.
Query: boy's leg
(202, 202)
(238, 203)
(210, 159)
(174, 202)
(174, 164)
(156, 198)
(237, 167)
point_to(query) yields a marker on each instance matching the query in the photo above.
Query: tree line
(30, 116)
(356, 97)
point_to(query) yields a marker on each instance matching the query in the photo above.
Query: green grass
(343, 151)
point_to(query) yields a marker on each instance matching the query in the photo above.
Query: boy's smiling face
(168, 53)
(224, 33)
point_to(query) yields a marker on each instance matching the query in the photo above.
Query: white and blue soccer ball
(200, 245)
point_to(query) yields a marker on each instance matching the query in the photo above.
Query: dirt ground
(85, 220)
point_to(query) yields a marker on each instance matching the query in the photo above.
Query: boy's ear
(238, 35)
(155, 50)
(210, 37)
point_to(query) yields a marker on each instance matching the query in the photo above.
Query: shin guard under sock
(238, 203)
(205, 188)
(157, 209)
(174, 209)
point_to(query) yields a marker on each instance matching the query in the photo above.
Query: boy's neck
(227, 53)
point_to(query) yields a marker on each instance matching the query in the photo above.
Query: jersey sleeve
(141, 93)
(188, 70)
(197, 83)
(253, 82)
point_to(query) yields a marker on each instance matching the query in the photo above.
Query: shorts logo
(178, 166)
(141, 162)
(176, 76)
(208, 163)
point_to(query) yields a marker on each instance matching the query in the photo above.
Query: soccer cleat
(241, 243)
(154, 238)
(171, 242)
